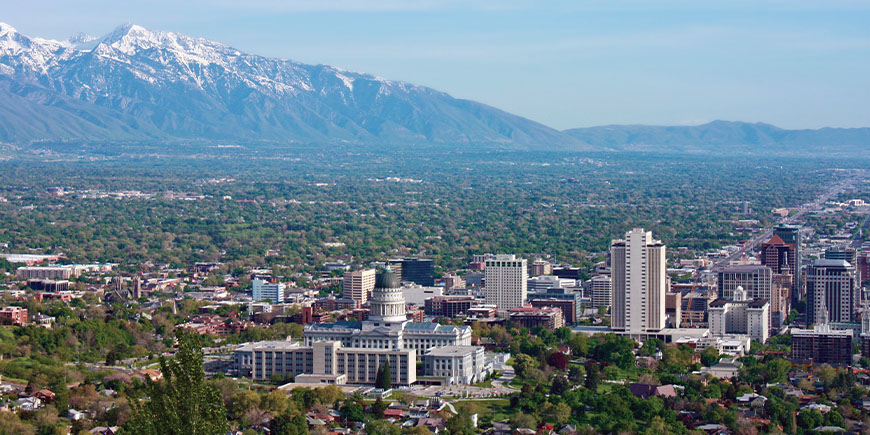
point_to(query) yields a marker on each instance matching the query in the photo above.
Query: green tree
(709, 356)
(777, 370)
(460, 424)
(593, 375)
(285, 424)
(379, 407)
(523, 363)
(384, 377)
(382, 427)
(182, 403)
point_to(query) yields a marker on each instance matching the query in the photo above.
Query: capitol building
(387, 326)
(352, 352)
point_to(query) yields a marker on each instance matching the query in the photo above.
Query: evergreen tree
(593, 375)
(182, 403)
(379, 407)
(384, 377)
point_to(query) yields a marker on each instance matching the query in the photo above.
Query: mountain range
(136, 84)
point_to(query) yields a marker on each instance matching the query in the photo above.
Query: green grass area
(497, 409)
(485, 384)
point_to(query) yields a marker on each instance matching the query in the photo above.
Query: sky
(566, 64)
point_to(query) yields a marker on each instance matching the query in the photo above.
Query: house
(27, 404)
(45, 395)
(393, 413)
(434, 425)
(74, 415)
(105, 430)
(751, 399)
(824, 409)
(645, 391)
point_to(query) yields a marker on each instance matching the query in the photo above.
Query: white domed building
(387, 326)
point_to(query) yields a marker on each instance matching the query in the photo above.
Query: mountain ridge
(136, 84)
(724, 137)
(171, 86)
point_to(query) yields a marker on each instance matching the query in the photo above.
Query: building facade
(325, 361)
(420, 271)
(821, 345)
(506, 282)
(448, 306)
(791, 234)
(387, 326)
(456, 364)
(638, 271)
(602, 291)
(532, 317)
(45, 272)
(16, 316)
(542, 283)
(740, 316)
(264, 290)
(832, 292)
(358, 284)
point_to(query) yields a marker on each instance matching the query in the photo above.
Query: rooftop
(824, 262)
(453, 351)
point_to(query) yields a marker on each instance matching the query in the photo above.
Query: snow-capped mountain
(136, 83)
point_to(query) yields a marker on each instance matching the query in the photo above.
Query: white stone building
(506, 282)
(639, 273)
(740, 316)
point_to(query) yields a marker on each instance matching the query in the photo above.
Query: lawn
(497, 409)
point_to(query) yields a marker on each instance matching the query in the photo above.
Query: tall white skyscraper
(266, 290)
(639, 274)
(506, 282)
(358, 284)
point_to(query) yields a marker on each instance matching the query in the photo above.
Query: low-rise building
(14, 316)
(822, 344)
(448, 306)
(531, 317)
(325, 362)
(456, 364)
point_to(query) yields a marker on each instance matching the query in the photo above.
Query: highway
(816, 205)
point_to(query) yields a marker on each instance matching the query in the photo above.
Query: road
(804, 209)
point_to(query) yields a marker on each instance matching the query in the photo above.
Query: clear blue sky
(796, 64)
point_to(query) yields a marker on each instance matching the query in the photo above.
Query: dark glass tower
(792, 234)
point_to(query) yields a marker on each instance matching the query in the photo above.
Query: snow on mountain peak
(6, 29)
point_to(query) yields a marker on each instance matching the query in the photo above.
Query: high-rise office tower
(506, 282)
(756, 280)
(357, 285)
(791, 234)
(851, 256)
(779, 256)
(638, 270)
(832, 289)
(417, 270)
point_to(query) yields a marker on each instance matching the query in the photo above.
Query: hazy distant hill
(723, 137)
(135, 84)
